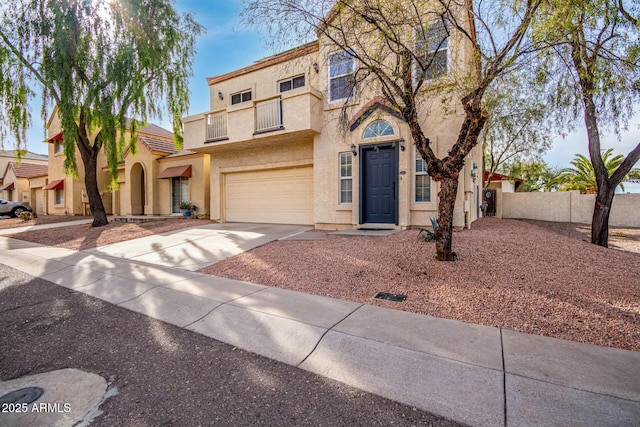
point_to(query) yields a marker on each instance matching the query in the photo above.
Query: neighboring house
(150, 181)
(7, 156)
(157, 178)
(278, 154)
(505, 183)
(24, 182)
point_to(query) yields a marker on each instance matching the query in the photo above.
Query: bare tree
(397, 46)
(517, 128)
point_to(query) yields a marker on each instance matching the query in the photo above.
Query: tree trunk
(444, 232)
(600, 220)
(89, 155)
(93, 193)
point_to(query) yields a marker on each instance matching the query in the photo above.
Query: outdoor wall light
(220, 96)
(315, 67)
(401, 141)
(354, 151)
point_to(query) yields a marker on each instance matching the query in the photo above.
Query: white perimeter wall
(568, 206)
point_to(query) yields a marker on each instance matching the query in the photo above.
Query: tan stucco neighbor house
(150, 182)
(158, 177)
(279, 155)
(24, 182)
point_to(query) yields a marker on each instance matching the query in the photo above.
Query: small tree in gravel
(398, 45)
(99, 62)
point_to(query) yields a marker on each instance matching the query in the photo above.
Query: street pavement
(160, 374)
(471, 374)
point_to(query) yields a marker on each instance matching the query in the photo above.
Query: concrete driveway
(195, 248)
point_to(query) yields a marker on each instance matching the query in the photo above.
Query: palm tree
(582, 175)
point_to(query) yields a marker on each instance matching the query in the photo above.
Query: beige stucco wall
(199, 183)
(570, 206)
(20, 191)
(37, 195)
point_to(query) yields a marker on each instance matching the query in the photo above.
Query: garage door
(282, 196)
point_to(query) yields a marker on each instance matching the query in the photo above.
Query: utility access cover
(390, 297)
(24, 395)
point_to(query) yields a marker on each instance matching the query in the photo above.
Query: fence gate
(489, 200)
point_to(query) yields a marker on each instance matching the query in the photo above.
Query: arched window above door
(378, 128)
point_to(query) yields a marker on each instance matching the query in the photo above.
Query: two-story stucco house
(280, 152)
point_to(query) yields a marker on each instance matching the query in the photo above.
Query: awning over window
(55, 185)
(8, 187)
(56, 137)
(176, 171)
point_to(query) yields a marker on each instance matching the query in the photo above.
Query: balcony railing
(269, 115)
(216, 126)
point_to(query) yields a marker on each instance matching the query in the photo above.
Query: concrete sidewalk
(473, 374)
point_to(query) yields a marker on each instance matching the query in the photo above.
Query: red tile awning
(8, 187)
(55, 185)
(56, 137)
(176, 171)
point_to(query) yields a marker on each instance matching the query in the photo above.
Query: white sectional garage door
(281, 196)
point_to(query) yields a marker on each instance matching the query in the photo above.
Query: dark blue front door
(379, 200)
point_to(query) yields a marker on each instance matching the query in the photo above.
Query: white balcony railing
(269, 115)
(216, 126)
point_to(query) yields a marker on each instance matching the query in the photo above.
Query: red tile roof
(28, 170)
(158, 144)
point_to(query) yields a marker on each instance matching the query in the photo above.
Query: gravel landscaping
(83, 236)
(8, 222)
(510, 274)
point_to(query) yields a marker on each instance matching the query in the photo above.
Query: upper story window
(378, 128)
(341, 75)
(432, 49)
(57, 147)
(239, 97)
(288, 84)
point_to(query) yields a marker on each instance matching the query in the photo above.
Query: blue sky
(229, 45)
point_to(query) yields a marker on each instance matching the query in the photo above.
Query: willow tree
(398, 48)
(595, 74)
(101, 64)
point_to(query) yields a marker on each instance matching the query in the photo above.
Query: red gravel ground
(510, 274)
(83, 236)
(42, 219)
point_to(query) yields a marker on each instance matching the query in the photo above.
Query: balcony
(216, 126)
(268, 115)
(289, 114)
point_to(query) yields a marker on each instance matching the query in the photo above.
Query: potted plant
(185, 208)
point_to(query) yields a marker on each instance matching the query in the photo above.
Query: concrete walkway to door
(195, 248)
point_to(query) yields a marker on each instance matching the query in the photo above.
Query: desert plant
(26, 216)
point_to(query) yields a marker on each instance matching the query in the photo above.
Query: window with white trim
(378, 128)
(422, 182)
(346, 177)
(59, 196)
(239, 97)
(58, 147)
(432, 49)
(341, 76)
(292, 83)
